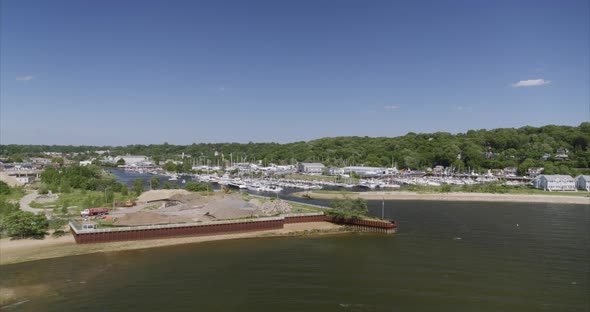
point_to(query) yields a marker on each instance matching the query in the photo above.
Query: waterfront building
(133, 159)
(21, 173)
(314, 168)
(561, 154)
(561, 157)
(365, 171)
(555, 182)
(438, 170)
(497, 172)
(534, 171)
(510, 171)
(335, 171)
(583, 182)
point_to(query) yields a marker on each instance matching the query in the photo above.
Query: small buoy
(517, 224)
(574, 283)
(457, 238)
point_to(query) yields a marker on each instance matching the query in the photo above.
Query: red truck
(94, 212)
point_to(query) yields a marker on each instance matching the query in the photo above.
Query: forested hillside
(479, 149)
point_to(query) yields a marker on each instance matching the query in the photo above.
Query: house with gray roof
(311, 168)
(555, 182)
(583, 182)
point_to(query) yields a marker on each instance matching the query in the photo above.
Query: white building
(316, 168)
(365, 171)
(555, 182)
(534, 171)
(85, 163)
(510, 171)
(335, 171)
(583, 182)
(133, 159)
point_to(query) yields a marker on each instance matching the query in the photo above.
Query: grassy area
(102, 224)
(303, 208)
(80, 199)
(16, 193)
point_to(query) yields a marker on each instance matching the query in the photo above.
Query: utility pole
(382, 208)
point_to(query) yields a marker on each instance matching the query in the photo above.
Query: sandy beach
(15, 251)
(488, 197)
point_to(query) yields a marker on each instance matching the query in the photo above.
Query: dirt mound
(156, 195)
(274, 207)
(46, 198)
(255, 202)
(149, 218)
(228, 208)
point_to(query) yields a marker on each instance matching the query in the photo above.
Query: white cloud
(531, 83)
(390, 107)
(25, 78)
(463, 108)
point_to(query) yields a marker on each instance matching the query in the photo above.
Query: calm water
(128, 177)
(447, 257)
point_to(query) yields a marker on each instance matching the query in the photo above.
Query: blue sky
(139, 72)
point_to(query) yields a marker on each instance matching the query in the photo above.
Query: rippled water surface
(448, 256)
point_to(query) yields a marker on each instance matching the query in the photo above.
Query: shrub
(348, 208)
(195, 187)
(4, 188)
(25, 224)
(43, 189)
(59, 233)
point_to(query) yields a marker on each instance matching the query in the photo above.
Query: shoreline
(25, 250)
(454, 196)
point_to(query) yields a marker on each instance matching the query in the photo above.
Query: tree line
(476, 149)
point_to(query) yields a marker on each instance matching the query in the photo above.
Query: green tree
(25, 224)
(348, 208)
(109, 195)
(57, 160)
(195, 187)
(65, 187)
(124, 190)
(7, 208)
(64, 207)
(186, 167)
(50, 176)
(170, 166)
(4, 188)
(15, 159)
(138, 186)
(167, 185)
(120, 162)
(154, 182)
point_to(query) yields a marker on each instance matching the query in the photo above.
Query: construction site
(176, 213)
(180, 206)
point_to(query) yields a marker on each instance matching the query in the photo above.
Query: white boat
(237, 183)
(254, 187)
(173, 178)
